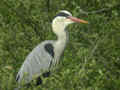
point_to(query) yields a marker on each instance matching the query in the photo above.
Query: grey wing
(37, 62)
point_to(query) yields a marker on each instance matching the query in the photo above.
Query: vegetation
(92, 58)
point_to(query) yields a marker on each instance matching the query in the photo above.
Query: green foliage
(91, 60)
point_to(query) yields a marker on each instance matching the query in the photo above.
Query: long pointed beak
(74, 19)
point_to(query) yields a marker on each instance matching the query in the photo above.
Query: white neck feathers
(62, 38)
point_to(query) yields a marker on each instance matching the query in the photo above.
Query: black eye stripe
(62, 14)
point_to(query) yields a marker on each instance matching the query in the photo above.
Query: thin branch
(101, 10)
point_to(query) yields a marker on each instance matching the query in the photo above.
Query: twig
(101, 10)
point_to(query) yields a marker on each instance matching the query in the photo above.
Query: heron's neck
(62, 36)
(62, 39)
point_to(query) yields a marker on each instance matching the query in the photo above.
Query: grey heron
(46, 55)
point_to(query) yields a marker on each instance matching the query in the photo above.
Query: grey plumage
(46, 55)
(34, 64)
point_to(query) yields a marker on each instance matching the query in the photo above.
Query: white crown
(65, 11)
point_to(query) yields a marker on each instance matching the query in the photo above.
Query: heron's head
(64, 18)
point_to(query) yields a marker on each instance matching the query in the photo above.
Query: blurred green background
(92, 57)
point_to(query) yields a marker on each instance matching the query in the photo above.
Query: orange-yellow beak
(74, 19)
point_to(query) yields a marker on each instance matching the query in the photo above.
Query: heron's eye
(62, 19)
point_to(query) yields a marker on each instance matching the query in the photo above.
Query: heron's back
(37, 62)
